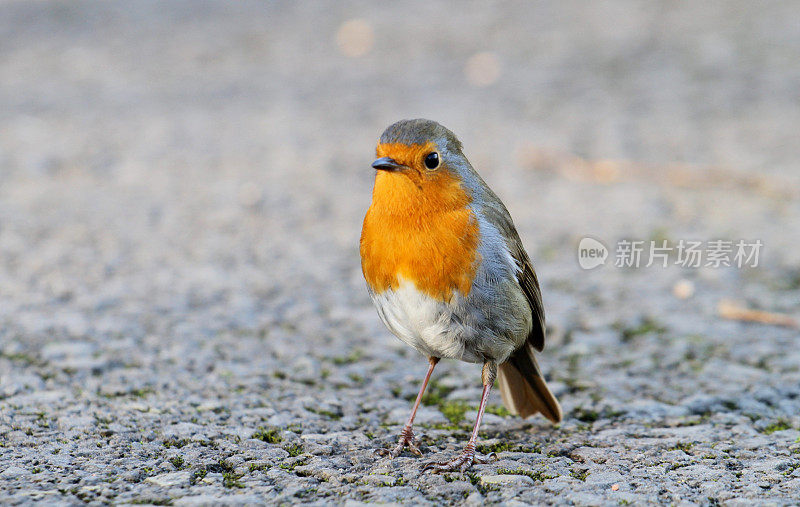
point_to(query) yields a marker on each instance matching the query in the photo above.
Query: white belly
(424, 323)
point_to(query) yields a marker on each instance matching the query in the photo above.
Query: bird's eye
(432, 160)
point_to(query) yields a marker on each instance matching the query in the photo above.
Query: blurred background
(182, 186)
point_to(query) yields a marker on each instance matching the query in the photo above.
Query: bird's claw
(407, 439)
(461, 463)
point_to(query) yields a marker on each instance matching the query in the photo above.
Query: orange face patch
(419, 228)
(410, 155)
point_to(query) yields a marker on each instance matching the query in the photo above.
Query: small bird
(449, 276)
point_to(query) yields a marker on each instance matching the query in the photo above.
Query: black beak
(387, 164)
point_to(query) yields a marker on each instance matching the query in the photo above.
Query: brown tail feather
(523, 388)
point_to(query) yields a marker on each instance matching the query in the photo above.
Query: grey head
(420, 132)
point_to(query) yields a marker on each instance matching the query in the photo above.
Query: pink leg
(407, 435)
(468, 457)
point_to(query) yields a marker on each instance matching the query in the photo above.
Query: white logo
(591, 253)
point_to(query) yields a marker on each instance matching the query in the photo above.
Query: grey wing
(498, 215)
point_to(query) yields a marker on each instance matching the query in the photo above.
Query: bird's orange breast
(419, 229)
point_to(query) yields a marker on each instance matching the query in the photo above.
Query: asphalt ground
(182, 313)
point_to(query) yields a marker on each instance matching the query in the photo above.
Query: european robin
(449, 276)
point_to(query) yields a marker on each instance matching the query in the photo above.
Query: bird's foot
(462, 462)
(407, 439)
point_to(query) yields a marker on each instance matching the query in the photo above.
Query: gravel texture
(182, 314)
